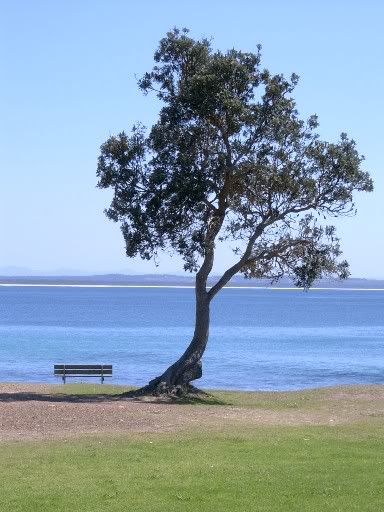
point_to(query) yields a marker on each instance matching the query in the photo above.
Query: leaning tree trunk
(177, 378)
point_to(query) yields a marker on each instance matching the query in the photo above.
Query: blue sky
(68, 82)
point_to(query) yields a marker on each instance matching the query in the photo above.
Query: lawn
(310, 468)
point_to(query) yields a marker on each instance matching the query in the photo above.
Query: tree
(229, 160)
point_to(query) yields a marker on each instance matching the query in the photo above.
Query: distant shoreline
(239, 287)
(177, 281)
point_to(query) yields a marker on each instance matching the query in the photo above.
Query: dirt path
(30, 411)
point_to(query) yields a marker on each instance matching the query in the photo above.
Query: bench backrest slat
(83, 372)
(83, 366)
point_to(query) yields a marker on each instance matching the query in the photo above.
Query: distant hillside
(172, 280)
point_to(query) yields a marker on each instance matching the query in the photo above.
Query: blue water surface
(259, 338)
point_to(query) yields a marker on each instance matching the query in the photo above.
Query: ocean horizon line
(70, 285)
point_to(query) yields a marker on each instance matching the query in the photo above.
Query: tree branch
(228, 274)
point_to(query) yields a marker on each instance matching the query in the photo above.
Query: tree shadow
(194, 396)
(190, 399)
(59, 397)
(205, 399)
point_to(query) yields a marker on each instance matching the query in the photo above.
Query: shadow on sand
(205, 399)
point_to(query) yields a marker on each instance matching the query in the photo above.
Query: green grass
(270, 399)
(265, 469)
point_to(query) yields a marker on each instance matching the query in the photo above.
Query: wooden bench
(82, 370)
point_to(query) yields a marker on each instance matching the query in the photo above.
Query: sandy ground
(30, 411)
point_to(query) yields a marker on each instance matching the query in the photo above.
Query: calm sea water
(259, 339)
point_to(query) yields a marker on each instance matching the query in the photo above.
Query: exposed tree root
(174, 382)
(165, 387)
(174, 392)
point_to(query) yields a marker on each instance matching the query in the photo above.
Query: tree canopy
(229, 158)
